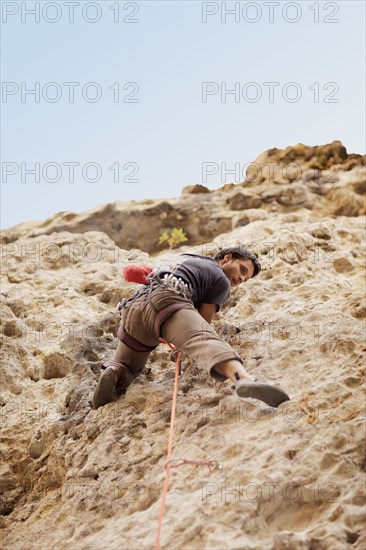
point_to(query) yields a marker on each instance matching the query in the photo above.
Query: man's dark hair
(240, 252)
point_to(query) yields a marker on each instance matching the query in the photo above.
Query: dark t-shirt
(208, 281)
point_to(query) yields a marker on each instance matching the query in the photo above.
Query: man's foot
(104, 391)
(271, 395)
(114, 374)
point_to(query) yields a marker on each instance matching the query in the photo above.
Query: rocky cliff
(290, 478)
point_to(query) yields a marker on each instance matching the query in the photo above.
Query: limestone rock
(73, 477)
(325, 178)
(291, 164)
(243, 201)
(195, 189)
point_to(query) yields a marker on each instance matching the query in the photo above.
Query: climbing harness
(175, 463)
(165, 281)
(121, 304)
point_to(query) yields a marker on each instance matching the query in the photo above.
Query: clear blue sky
(162, 140)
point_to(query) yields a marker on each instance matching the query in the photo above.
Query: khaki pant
(166, 314)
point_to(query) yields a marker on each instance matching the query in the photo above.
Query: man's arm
(207, 311)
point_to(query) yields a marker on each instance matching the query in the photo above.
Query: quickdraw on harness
(171, 282)
(164, 280)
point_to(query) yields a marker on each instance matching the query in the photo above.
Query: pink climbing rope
(175, 463)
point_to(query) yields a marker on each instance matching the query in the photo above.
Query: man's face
(237, 270)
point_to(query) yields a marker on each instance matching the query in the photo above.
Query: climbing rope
(175, 463)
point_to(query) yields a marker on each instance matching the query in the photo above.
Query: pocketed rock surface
(289, 478)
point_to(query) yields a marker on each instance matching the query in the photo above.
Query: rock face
(324, 179)
(291, 478)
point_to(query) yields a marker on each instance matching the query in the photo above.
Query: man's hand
(217, 316)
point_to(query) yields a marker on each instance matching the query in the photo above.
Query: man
(178, 305)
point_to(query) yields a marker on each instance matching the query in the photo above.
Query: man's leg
(135, 344)
(126, 365)
(188, 331)
(234, 370)
(191, 334)
(133, 360)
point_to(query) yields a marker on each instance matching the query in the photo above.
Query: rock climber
(178, 302)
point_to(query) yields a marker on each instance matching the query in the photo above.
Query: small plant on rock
(175, 238)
